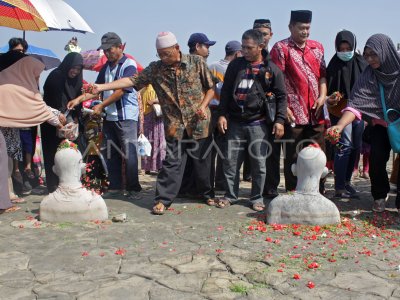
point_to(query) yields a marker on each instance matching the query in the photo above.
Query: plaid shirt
(180, 92)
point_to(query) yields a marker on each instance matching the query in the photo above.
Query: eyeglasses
(166, 54)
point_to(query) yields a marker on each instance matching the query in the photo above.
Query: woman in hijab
(62, 85)
(365, 102)
(343, 71)
(21, 105)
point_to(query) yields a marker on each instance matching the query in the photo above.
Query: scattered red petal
(310, 285)
(296, 276)
(219, 250)
(102, 254)
(313, 265)
(85, 253)
(279, 270)
(120, 251)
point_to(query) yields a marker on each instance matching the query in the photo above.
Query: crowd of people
(206, 122)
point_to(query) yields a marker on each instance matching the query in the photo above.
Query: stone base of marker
(302, 209)
(306, 205)
(78, 205)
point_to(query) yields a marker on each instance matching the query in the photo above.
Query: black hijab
(341, 75)
(9, 58)
(59, 89)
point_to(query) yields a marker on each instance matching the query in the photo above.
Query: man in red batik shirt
(302, 62)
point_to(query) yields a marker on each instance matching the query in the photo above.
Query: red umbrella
(94, 60)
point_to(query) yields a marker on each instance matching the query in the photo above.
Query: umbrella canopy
(46, 56)
(20, 14)
(94, 60)
(58, 15)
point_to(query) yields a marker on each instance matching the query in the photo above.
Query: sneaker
(379, 205)
(112, 193)
(132, 195)
(342, 194)
(349, 188)
(26, 188)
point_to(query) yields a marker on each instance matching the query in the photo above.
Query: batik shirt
(303, 68)
(180, 92)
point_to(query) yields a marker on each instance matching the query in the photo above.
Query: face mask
(345, 56)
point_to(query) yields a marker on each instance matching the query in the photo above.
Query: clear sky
(138, 22)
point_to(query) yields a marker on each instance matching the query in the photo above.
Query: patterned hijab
(365, 95)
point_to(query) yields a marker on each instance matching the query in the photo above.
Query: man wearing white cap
(184, 86)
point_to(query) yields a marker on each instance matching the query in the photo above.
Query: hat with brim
(199, 38)
(108, 40)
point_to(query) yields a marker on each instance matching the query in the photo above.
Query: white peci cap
(165, 39)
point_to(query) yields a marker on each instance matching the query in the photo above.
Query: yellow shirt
(147, 94)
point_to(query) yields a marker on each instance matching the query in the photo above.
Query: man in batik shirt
(184, 87)
(302, 62)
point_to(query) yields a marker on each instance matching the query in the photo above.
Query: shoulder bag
(393, 128)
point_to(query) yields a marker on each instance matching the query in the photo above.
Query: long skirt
(154, 131)
(4, 193)
(13, 142)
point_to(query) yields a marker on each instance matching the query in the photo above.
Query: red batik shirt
(303, 69)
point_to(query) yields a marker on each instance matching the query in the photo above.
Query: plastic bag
(144, 146)
(70, 131)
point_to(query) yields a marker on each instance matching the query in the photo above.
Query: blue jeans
(239, 137)
(120, 140)
(346, 152)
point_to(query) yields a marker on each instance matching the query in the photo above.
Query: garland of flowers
(67, 144)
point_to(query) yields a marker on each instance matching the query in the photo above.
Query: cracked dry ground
(200, 252)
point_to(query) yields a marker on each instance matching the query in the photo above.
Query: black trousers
(216, 172)
(169, 178)
(50, 142)
(273, 175)
(380, 154)
(300, 136)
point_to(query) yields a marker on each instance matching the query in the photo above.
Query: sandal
(10, 209)
(18, 200)
(223, 203)
(212, 202)
(258, 206)
(159, 209)
(29, 174)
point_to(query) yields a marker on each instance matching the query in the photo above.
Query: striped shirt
(246, 83)
(127, 107)
(218, 70)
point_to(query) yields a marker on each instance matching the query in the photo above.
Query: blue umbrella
(46, 56)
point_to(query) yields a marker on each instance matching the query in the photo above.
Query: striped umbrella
(20, 14)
